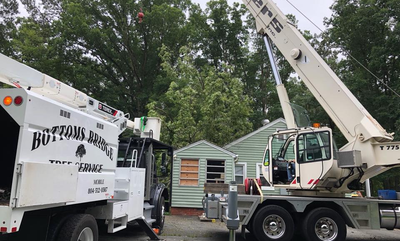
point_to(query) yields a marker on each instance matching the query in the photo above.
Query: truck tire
(272, 222)
(56, 224)
(160, 215)
(324, 224)
(79, 227)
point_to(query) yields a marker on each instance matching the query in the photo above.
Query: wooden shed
(196, 164)
(250, 149)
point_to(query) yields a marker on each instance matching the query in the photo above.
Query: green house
(250, 149)
(196, 164)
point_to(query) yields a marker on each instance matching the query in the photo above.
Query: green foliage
(369, 31)
(200, 104)
(8, 12)
(388, 180)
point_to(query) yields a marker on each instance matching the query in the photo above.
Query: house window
(240, 172)
(215, 171)
(189, 175)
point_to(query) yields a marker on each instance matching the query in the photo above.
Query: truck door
(282, 156)
(314, 149)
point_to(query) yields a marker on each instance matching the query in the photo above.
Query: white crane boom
(345, 110)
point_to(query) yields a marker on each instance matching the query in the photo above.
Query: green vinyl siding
(191, 196)
(251, 150)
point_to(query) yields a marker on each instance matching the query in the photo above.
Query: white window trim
(244, 164)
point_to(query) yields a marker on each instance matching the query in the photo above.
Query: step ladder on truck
(319, 176)
(64, 169)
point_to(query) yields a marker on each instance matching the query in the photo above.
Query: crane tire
(249, 227)
(79, 227)
(324, 224)
(273, 222)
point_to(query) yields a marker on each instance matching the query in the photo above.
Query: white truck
(308, 165)
(64, 169)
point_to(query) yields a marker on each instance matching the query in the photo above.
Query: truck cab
(299, 158)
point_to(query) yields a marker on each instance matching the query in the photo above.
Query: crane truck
(307, 164)
(64, 168)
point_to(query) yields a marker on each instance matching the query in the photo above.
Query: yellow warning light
(316, 125)
(7, 100)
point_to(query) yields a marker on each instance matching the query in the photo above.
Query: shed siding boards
(191, 196)
(250, 148)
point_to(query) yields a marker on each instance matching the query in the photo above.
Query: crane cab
(299, 158)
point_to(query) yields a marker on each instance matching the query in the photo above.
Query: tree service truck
(64, 168)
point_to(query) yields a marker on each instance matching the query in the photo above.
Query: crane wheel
(324, 224)
(79, 227)
(273, 222)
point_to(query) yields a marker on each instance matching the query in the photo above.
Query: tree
(220, 36)
(368, 32)
(8, 13)
(100, 47)
(200, 104)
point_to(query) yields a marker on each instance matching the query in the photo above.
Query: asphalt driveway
(188, 228)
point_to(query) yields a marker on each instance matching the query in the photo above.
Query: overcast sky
(315, 10)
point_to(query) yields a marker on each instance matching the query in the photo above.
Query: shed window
(189, 175)
(215, 171)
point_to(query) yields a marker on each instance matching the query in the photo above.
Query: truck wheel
(160, 215)
(324, 224)
(273, 223)
(56, 224)
(79, 227)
